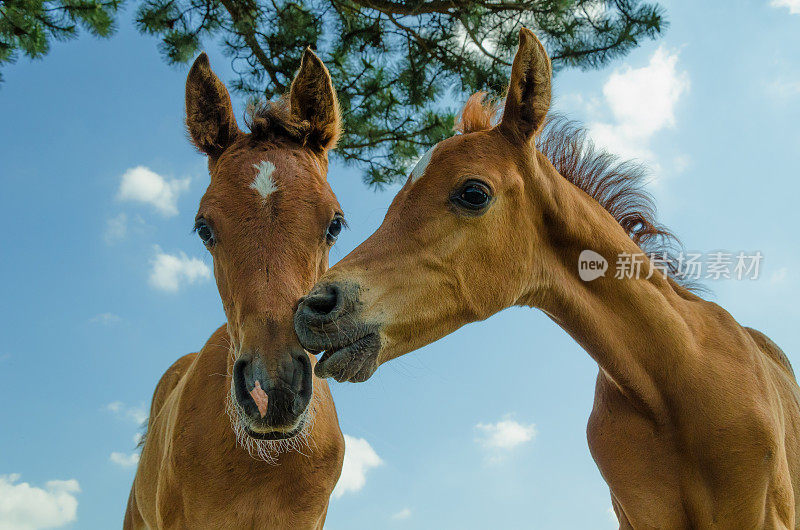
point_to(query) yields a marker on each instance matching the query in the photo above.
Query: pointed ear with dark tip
(209, 112)
(314, 100)
(528, 98)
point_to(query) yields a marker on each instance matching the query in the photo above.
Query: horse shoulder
(151, 485)
(766, 345)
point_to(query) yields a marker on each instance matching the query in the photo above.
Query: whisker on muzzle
(269, 450)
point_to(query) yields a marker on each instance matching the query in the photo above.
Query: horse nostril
(240, 367)
(303, 384)
(299, 303)
(324, 302)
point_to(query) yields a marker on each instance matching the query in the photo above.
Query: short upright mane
(271, 120)
(618, 186)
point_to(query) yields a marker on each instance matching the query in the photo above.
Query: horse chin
(265, 433)
(276, 434)
(265, 442)
(354, 362)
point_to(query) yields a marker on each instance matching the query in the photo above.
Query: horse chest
(659, 478)
(638, 464)
(208, 495)
(258, 507)
(205, 479)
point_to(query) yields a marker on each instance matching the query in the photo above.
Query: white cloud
(642, 102)
(571, 100)
(783, 88)
(405, 513)
(116, 229)
(504, 435)
(137, 415)
(486, 43)
(170, 272)
(105, 318)
(26, 507)
(141, 184)
(124, 459)
(792, 5)
(681, 163)
(595, 10)
(359, 458)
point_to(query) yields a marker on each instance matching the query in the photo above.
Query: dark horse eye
(334, 229)
(473, 195)
(205, 232)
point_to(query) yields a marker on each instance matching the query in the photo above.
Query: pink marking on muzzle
(261, 399)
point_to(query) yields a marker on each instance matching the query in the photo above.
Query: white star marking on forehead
(419, 169)
(263, 182)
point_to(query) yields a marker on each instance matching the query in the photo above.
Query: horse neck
(633, 328)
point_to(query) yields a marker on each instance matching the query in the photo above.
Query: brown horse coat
(211, 458)
(696, 420)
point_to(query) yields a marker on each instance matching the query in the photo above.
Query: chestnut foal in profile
(241, 434)
(696, 422)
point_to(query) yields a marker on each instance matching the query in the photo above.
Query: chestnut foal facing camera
(242, 434)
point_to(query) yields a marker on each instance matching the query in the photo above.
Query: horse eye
(334, 229)
(205, 232)
(473, 196)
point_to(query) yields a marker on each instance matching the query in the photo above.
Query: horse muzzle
(272, 404)
(328, 320)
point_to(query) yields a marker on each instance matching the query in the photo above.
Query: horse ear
(209, 112)
(528, 98)
(314, 100)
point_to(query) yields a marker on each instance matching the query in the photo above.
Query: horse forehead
(268, 180)
(294, 175)
(263, 182)
(265, 171)
(422, 164)
(456, 154)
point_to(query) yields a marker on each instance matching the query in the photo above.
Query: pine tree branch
(479, 44)
(394, 63)
(403, 8)
(252, 42)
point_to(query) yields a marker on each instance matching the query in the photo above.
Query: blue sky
(105, 285)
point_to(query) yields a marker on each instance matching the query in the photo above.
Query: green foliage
(394, 63)
(28, 26)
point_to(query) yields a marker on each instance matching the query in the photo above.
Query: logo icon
(591, 265)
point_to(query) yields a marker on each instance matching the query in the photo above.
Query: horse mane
(617, 185)
(272, 120)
